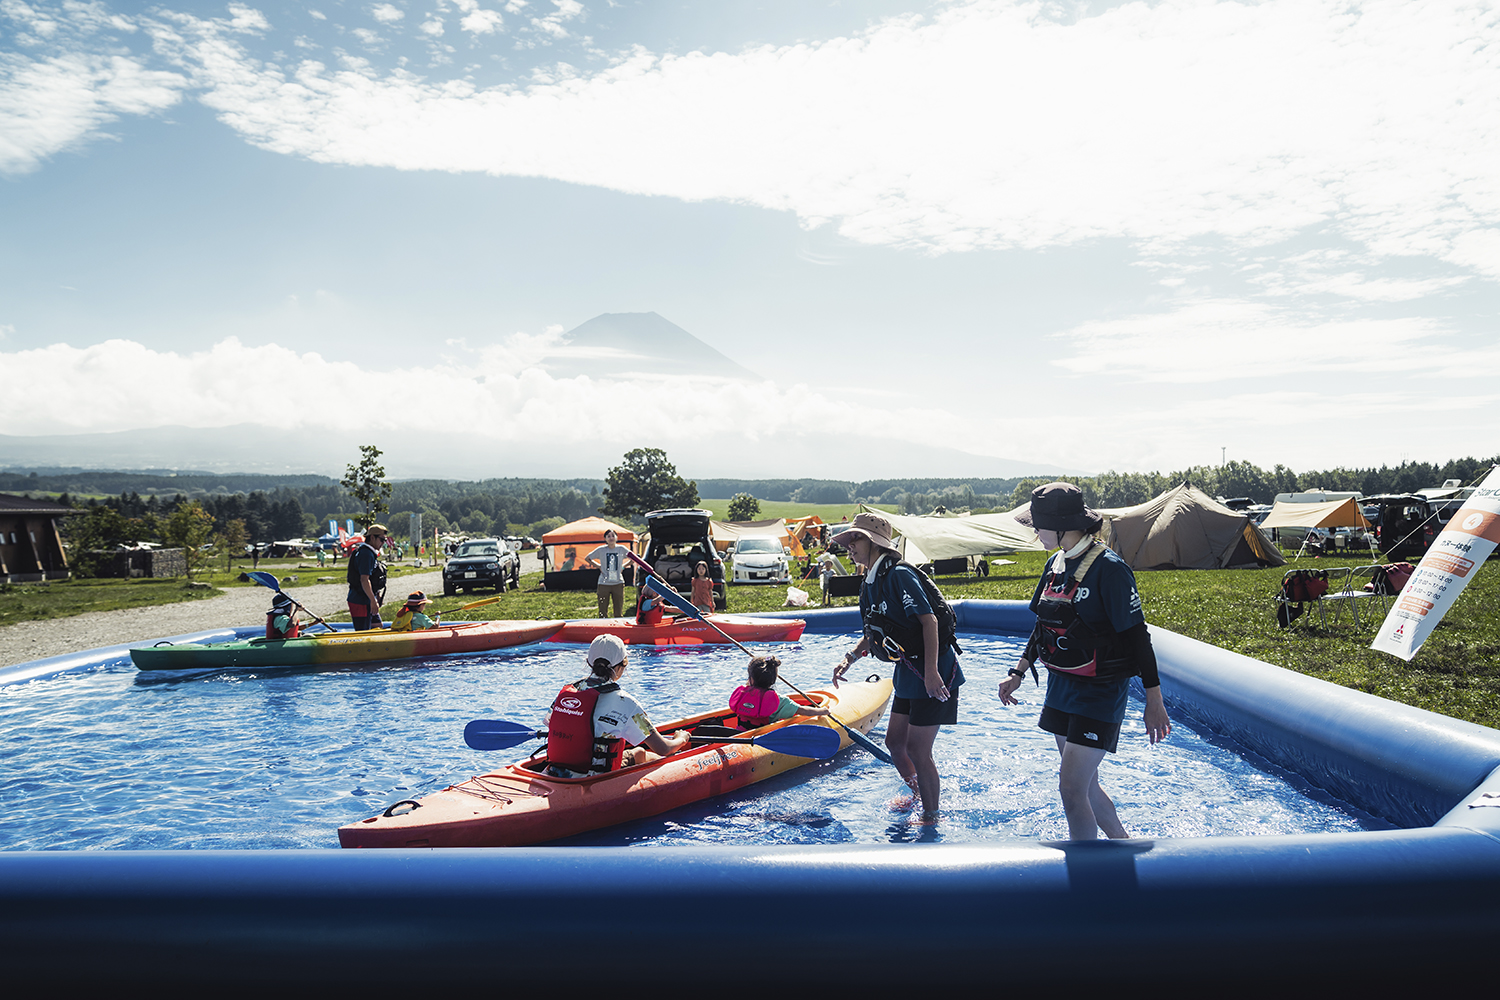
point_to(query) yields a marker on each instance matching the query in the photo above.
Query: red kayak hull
(684, 631)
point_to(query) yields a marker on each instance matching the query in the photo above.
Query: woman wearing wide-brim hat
(926, 676)
(1092, 638)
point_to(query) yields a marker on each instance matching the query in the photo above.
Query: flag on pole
(1448, 566)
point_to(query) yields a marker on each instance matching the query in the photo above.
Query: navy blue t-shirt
(361, 563)
(1108, 602)
(898, 594)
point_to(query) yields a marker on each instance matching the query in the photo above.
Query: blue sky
(1086, 235)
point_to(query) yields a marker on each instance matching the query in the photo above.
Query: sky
(1092, 236)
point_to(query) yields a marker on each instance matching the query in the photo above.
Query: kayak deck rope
(488, 787)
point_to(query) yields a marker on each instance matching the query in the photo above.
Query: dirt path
(240, 606)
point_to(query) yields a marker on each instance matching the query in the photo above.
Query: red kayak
(684, 631)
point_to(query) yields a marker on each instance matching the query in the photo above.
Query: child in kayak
(650, 606)
(757, 705)
(281, 620)
(595, 727)
(410, 617)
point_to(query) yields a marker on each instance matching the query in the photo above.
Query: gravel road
(240, 606)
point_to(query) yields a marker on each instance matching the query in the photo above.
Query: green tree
(743, 507)
(366, 483)
(232, 541)
(188, 528)
(645, 480)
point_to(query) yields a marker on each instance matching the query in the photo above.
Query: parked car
(481, 562)
(680, 539)
(761, 559)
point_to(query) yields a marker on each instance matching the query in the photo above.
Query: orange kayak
(684, 631)
(520, 804)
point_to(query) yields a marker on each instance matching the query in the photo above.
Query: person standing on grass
(927, 675)
(610, 558)
(703, 588)
(1091, 636)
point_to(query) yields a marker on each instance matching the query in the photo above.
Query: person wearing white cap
(596, 727)
(901, 626)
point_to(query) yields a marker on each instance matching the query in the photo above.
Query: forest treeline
(278, 507)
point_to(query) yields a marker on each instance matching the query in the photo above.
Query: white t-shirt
(611, 560)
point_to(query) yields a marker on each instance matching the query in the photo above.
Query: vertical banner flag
(1444, 571)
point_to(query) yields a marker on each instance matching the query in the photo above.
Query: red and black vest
(1062, 640)
(272, 632)
(754, 705)
(571, 740)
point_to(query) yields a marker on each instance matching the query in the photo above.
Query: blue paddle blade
(265, 579)
(496, 734)
(817, 742)
(868, 744)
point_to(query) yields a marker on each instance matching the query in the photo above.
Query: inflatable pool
(1376, 910)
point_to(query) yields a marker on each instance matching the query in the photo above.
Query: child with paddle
(281, 620)
(410, 617)
(757, 705)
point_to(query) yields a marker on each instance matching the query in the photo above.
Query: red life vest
(272, 632)
(754, 705)
(571, 740)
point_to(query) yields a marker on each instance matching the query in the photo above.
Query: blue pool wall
(1379, 910)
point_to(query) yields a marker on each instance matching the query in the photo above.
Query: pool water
(113, 758)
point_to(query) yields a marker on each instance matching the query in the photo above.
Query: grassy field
(61, 598)
(830, 512)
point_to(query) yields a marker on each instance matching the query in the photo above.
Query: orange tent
(564, 549)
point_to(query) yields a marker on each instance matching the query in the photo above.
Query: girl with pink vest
(757, 705)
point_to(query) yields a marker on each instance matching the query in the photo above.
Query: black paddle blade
(497, 734)
(816, 742)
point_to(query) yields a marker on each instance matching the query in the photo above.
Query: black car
(481, 562)
(679, 541)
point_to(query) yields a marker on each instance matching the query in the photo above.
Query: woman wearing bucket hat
(893, 605)
(1092, 638)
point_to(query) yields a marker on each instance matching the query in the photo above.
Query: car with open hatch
(679, 540)
(481, 562)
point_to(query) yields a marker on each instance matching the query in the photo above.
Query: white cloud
(433, 26)
(54, 103)
(482, 22)
(367, 36)
(1220, 340)
(248, 19)
(990, 125)
(387, 13)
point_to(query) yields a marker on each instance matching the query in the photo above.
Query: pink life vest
(754, 705)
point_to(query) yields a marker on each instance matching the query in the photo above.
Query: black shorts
(927, 711)
(1080, 729)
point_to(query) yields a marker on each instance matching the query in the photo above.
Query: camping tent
(1334, 514)
(564, 550)
(929, 538)
(725, 532)
(1185, 528)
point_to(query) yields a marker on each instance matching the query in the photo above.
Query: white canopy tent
(1333, 514)
(929, 538)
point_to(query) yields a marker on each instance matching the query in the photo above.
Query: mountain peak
(622, 344)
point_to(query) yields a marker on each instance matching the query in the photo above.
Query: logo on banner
(1473, 521)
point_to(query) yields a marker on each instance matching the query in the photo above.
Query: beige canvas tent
(1334, 514)
(726, 532)
(1185, 528)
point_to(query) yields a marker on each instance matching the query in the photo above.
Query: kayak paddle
(815, 742)
(686, 607)
(265, 579)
